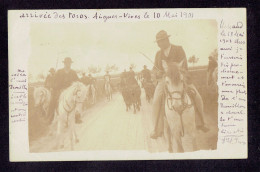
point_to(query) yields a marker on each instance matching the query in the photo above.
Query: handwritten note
(18, 96)
(232, 82)
(104, 17)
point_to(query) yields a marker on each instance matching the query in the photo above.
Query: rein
(70, 108)
(184, 105)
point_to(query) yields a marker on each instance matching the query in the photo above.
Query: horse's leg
(194, 134)
(194, 142)
(179, 143)
(60, 137)
(169, 138)
(71, 138)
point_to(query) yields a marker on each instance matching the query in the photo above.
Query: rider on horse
(131, 78)
(146, 74)
(107, 77)
(49, 82)
(171, 53)
(211, 67)
(63, 79)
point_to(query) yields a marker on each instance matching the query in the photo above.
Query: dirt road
(107, 126)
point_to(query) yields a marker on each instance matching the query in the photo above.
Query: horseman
(107, 77)
(49, 82)
(63, 79)
(171, 53)
(146, 74)
(91, 79)
(92, 83)
(211, 67)
(123, 77)
(131, 77)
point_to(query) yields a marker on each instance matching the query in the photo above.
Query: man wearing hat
(146, 74)
(49, 82)
(170, 53)
(65, 76)
(63, 79)
(131, 77)
(211, 67)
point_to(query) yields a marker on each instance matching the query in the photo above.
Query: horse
(134, 93)
(70, 103)
(149, 89)
(42, 98)
(179, 109)
(108, 90)
(131, 94)
(125, 93)
(92, 93)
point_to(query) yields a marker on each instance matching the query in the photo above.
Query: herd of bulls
(132, 93)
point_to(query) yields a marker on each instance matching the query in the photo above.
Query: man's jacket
(176, 54)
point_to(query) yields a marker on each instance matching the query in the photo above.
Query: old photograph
(149, 85)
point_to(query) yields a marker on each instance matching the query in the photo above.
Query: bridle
(69, 108)
(184, 105)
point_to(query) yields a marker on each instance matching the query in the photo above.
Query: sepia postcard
(127, 84)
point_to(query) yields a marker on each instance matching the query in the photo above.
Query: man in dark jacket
(131, 77)
(146, 74)
(171, 53)
(63, 79)
(211, 67)
(49, 82)
(65, 76)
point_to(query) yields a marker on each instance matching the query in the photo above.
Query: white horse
(70, 103)
(179, 109)
(42, 98)
(93, 93)
(108, 90)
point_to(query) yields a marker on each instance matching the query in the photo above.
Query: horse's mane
(46, 92)
(174, 73)
(71, 90)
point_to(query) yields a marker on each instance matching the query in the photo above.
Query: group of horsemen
(168, 53)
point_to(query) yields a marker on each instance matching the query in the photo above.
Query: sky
(99, 44)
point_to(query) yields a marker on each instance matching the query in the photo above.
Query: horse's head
(39, 96)
(174, 87)
(173, 76)
(80, 91)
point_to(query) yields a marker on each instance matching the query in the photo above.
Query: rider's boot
(199, 113)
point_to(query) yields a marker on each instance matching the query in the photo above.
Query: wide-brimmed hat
(67, 60)
(52, 70)
(161, 35)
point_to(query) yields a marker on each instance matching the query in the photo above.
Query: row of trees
(114, 68)
(194, 59)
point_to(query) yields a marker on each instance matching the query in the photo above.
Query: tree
(94, 69)
(193, 60)
(111, 68)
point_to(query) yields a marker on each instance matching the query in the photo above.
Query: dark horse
(131, 93)
(149, 89)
